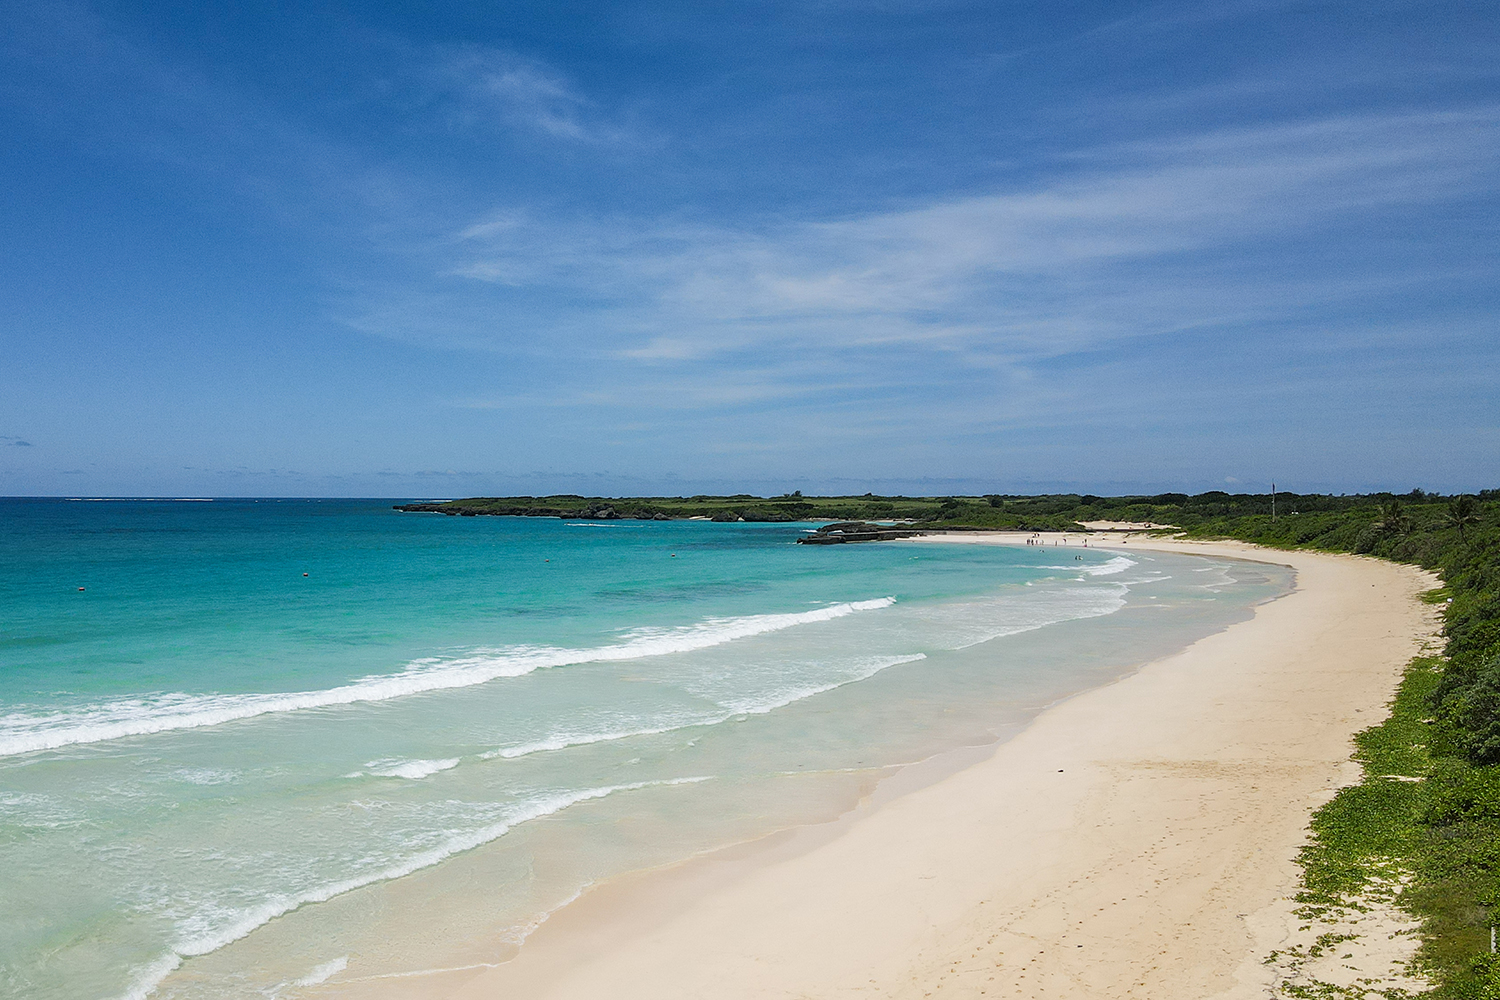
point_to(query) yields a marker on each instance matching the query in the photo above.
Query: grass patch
(1431, 845)
(1363, 840)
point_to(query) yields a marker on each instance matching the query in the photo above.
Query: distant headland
(991, 512)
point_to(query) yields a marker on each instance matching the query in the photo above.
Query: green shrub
(1461, 793)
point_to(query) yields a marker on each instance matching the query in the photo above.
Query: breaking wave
(24, 732)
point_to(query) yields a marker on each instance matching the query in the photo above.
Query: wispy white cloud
(493, 87)
(1104, 302)
(1202, 232)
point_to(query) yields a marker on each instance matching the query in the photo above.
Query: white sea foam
(31, 809)
(1116, 564)
(150, 975)
(1220, 578)
(143, 499)
(412, 769)
(217, 927)
(771, 701)
(204, 775)
(1142, 580)
(969, 623)
(23, 732)
(415, 973)
(323, 973)
(518, 935)
(734, 707)
(565, 740)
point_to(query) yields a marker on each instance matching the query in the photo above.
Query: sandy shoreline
(1134, 841)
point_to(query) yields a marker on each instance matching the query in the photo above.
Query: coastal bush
(1486, 975)
(1473, 709)
(1459, 793)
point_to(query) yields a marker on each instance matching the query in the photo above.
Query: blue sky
(924, 247)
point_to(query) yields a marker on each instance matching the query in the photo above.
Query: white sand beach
(1136, 840)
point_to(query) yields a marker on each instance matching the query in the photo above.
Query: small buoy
(674, 555)
(304, 574)
(546, 560)
(80, 590)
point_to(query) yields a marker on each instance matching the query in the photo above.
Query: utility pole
(1273, 503)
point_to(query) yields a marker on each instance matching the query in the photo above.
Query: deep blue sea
(266, 747)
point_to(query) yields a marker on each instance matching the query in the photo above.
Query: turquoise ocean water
(251, 747)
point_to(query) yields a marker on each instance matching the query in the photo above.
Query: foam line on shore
(564, 740)
(202, 941)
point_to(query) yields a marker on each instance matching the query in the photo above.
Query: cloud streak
(487, 88)
(1204, 232)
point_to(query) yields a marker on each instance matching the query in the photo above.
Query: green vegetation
(1301, 518)
(975, 512)
(793, 507)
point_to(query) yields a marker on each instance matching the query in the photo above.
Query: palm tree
(1462, 511)
(1394, 519)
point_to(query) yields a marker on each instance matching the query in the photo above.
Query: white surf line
(319, 974)
(150, 976)
(24, 733)
(732, 710)
(1116, 564)
(410, 769)
(421, 972)
(516, 938)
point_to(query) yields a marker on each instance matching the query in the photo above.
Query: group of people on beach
(1036, 539)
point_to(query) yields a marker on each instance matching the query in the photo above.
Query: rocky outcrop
(856, 531)
(765, 515)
